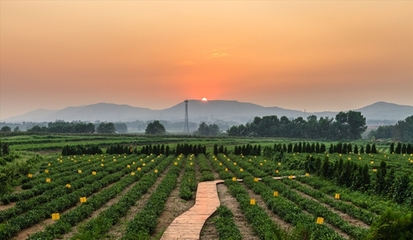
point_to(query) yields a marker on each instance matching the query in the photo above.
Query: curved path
(189, 224)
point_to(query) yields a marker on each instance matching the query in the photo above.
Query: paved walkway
(189, 224)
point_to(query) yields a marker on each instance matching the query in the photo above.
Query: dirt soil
(174, 207)
(25, 233)
(353, 221)
(117, 230)
(277, 219)
(97, 212)
(230, 202)
(6, 206)
(344, 216)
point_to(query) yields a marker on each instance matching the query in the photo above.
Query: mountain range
(198, 111)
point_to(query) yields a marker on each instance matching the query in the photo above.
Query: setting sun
(204, 99)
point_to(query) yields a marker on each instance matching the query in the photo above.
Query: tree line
(346, 125)
(401, 148)
(357, 177)
(401, 131)
(79, 127)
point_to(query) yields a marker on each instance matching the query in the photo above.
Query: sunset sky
(313, 55)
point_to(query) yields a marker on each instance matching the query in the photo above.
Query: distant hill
(210, 111)
(386, 111)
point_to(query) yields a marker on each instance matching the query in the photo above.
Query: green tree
(392, 225)
(37, 129)
(155, 127)
(106, 128)
(5, 129)
(16, 129)
(121, 127)
(4, 149)
(208, 130)
(213, 130)
(392, 148)
(401, 189)
(380, 183)
(357, 124)
(203, 129)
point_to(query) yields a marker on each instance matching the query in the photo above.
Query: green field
(136, 193)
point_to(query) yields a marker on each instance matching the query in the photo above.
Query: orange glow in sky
(313, 55)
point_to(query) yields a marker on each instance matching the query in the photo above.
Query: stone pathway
(189, 224)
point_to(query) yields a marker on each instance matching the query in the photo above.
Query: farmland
(273, 188)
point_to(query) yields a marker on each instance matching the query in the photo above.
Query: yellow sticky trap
(235, 163)
(55, 216)
(79, 171)
(48, 164)
(307, 174)
(279, 164)
(241, 170)
(374, 170)
(234, 179)
(320, 220)
(290, 177)
(46, 170)
(337, 196)
(143, 164)
(48, 180)
(276, 171)
(83, 199)
(128, 166)
(29, 175)
(255, 179)
(226, 169)
(276, 194)
(156, 170)
(252, 201)
(190, 164)
(372, 162)
(138, 168)
(68, 185)
(152, 160)
(220, 164)
(93, 173)
(175, 163)
(102, 164)
(132, 173)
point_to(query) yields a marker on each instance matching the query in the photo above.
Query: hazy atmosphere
(313, 55)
